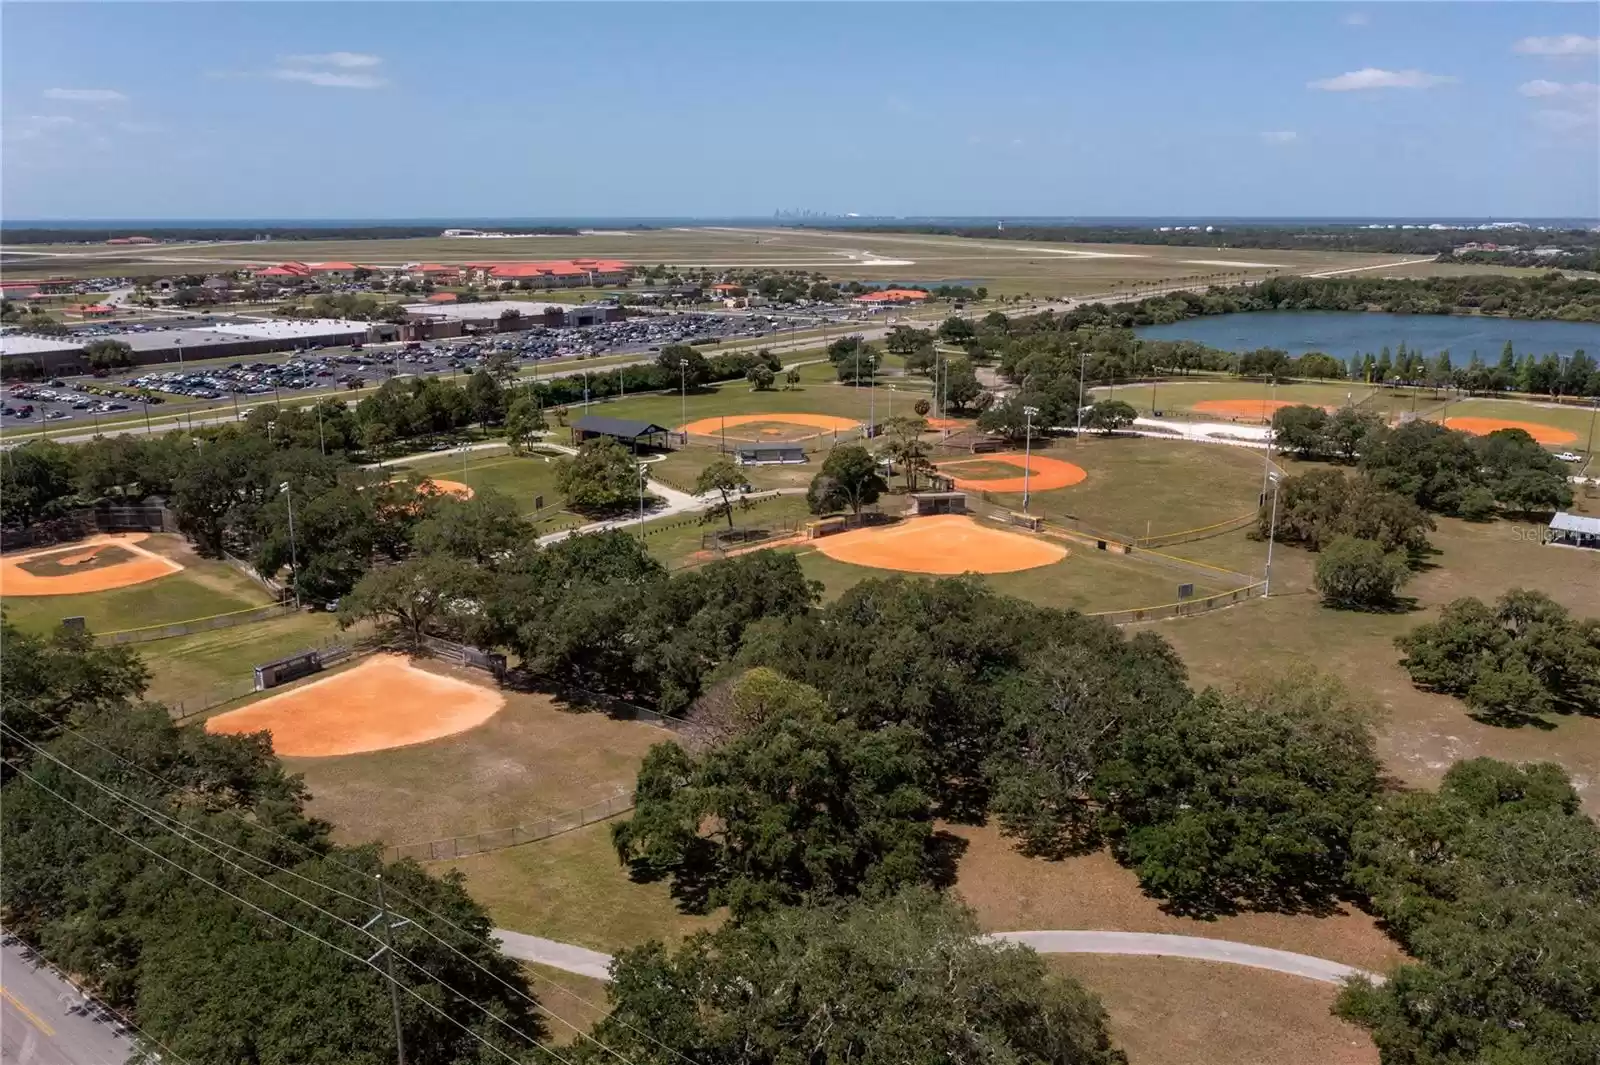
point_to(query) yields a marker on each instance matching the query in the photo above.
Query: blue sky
(369, 110)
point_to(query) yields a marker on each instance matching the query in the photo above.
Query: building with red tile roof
(565, 273)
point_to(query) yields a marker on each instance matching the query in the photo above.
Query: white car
(1569, 456)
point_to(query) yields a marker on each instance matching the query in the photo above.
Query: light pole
(1028, 414)
(683, 391)
(294, 551)
(1272, 536)
(1083, 361)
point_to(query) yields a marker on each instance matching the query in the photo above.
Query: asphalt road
(42, 1020)
(586, 962)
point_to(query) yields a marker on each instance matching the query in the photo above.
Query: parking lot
(80, 401)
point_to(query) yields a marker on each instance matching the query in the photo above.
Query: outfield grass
(188, 669)
(571, 888)
(1424, 733)
(533, 759)
(203, 588)
(522, 478)
(675, 541)
(1139, 486)
(1086, 580)
(572, 1004)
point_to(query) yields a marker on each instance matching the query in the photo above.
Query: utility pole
(387, 950)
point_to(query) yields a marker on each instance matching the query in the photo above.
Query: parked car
(1569, 456)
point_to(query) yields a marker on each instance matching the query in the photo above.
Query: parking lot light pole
(1027, 452)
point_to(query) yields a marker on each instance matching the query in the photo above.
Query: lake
(1346, 333)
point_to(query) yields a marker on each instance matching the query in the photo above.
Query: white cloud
(87, 96)
(1566, 44)
(1357, 18)
(1373, 78)
(329, 79)
(1280, 136)
(1581, 90)
(342, 60)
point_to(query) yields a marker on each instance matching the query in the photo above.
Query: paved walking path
(592, 963)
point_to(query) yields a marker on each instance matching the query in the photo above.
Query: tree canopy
(898, 981)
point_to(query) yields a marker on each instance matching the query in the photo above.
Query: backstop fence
(88, 521)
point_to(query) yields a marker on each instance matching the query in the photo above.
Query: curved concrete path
(594, 964)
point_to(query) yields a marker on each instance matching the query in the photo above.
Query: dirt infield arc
(1545, 434)
(124, 564)
(438, 486)
(381, 703)
(722, 423)
(945, 544)
(1260, 410)
(1045, 474)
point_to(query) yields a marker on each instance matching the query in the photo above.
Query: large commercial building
(228, 339)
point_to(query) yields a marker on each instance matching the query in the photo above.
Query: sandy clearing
(381, 703)
(146, 565)
(945, 544)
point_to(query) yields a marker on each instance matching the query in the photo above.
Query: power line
(258, 826)
(167, 822)
(258, 909)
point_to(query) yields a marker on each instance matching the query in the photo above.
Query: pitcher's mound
(383, 702)
(1544, 434)
(944, 544)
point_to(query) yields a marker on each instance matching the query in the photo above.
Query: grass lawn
(676, 541)
(203, 588)
(1086, 580)
(1175, 1011)
(1424, 733)
(1139, 486)
(532, 759)
(521, 477)
(571, 888)
(680, 468)
(1010, 891)
(572, 1004)
(190, 668)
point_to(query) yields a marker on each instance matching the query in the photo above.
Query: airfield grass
(1423, 733)
(1003, 266)
(1177, 1011)
(204, 587)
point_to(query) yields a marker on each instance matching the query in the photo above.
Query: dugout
(929, 503)
(769, 454)
(638, 435)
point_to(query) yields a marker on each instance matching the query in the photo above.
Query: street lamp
(1028, 414)
(1083, 362)
(1272, 535)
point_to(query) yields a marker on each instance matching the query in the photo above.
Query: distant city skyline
(333, 111)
